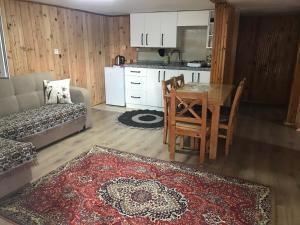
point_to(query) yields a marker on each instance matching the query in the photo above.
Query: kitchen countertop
(171, 66)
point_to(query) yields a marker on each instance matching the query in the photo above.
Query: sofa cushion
(57, 91)
(7, 98)
(30, 122)
(28, 89)
(13, 154)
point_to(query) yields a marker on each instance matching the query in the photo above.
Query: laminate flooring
(263, 152)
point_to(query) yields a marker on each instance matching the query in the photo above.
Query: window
(3, 57)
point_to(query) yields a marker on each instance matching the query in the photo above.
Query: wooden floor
(265, 152)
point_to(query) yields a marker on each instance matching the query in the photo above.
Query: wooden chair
(228, 125)
(179, 81)
(194, 125)
(166, 88)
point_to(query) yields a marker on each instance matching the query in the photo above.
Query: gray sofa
(27, 124)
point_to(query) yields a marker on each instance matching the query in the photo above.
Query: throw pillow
(57, 91)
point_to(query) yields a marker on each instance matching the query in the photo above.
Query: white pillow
(57, 91)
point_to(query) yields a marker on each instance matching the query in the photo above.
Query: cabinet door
(154, 88)
(189, 75)
(168, 29)
(152, 30)
(137, 30)
(204, 77)
(193, 18)
(167, 74)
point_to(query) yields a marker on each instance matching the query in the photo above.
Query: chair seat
(20, 125)
(191, 126)
(14, 154)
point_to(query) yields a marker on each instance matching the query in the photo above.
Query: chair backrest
(182, 108)
(179, 81)
(236, 101)
(22, 92)
(167, 85)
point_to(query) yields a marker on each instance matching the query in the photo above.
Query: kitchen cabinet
(137, 30)
(153, 30)
(193, 18)
(135, 86)
(189, 76)
(143, 86)
(204, 77)
(195, 76)
(210, 29)
(154, 88)
(168, 29)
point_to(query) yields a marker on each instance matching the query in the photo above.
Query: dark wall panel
(266, 56)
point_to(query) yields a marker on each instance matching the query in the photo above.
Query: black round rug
(143, 119)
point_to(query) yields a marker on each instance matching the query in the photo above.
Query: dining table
(218, 95)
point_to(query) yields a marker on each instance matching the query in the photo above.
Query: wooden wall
(266, 55)
(87, 42)
(224, 43)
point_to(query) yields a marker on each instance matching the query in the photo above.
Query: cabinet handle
(164, 75)
(146, 39)
(192, 77)
(198, 77)
(135, 71)
(134, 83)
(135, 97)
(162, 39)
(158, 76)
(142, 39)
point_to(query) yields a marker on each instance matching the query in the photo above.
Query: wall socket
(56, 51)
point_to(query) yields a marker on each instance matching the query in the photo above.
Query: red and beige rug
(106, 186)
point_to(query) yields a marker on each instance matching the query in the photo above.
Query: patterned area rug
(142, 119)
(106, 186)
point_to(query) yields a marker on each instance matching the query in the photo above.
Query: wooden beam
(294, 105)
(224, 43)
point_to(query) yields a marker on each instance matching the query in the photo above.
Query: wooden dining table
(218, 95)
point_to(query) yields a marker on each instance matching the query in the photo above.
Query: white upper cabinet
(193, 18)
(137, 30)
(153, 30)
(168, 29)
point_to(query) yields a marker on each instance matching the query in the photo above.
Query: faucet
(179, 54)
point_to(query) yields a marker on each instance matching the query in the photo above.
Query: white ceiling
(120, 7)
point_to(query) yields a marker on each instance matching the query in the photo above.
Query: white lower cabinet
(136, 97)
(143, 87)
(154, 88)
(195, 76)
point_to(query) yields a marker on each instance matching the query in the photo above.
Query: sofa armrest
(82, 95)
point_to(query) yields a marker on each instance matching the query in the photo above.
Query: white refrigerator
(115, 85)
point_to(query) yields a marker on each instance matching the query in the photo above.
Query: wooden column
(224, 43)
(293, 115)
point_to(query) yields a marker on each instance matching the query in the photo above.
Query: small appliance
(119, 60)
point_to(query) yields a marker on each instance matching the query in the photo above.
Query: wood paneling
(87, 42)
(266, 55)
(224, 43)
(294, 105)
